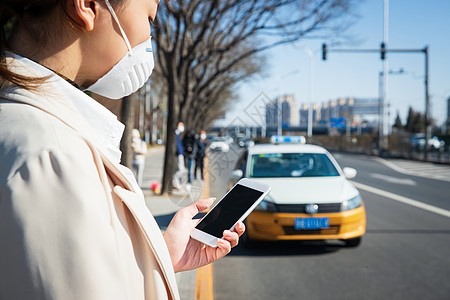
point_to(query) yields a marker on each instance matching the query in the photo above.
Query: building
(304, 110)
(352, 109)
(289, 112)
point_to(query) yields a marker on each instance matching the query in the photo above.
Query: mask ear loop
(130, 50)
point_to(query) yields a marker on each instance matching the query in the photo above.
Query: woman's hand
(187, 253)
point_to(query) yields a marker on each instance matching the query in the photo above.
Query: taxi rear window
(291, 165)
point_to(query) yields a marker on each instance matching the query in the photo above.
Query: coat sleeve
(56, 237)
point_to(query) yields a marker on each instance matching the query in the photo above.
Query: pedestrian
(200, 154)
(188, 144)
(180, 164)
(139, 148)
(73, 221)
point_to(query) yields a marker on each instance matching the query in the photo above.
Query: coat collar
(60, 98)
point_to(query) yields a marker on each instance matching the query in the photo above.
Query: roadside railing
(399, 147)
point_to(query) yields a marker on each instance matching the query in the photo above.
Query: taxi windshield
(291, 165)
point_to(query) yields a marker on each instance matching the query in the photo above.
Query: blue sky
(413, 24)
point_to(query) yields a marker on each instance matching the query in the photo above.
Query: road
(405, 253)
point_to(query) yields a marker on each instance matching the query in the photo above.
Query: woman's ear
(83, 12)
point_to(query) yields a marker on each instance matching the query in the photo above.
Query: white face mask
(130, 73)
(203, 136)
(181, 128)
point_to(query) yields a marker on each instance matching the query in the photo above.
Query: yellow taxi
(311, 197)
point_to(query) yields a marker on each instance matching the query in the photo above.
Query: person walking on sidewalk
(180, 165)
(200, 154)
(139, 148)
(73, 221)
(188, 143)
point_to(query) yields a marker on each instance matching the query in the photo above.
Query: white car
(220, 144)
(311, 198)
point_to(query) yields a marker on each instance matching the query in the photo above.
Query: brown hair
(15, 11)
(11, 12)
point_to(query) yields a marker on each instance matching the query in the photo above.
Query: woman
(139, 148)
(73, 222)
(200, 153)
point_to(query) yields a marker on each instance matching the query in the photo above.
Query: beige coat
(71, 226)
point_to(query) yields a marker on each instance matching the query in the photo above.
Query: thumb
(199, 205)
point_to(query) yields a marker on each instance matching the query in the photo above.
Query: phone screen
(228, 211)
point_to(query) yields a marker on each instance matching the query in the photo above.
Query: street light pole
(279, 117)
(380, 92)
(427, 107)
(385, 129)
(311, 90)
(279, 109)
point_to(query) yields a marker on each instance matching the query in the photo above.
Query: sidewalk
(164, 207)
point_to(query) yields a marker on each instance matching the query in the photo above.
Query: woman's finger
(224, 247)
(197, 206)
(232, 237)
(239, 228)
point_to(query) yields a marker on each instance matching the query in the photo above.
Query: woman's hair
(40, 13)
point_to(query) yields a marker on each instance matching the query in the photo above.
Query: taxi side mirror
(349, 173)
(237, 174)
(234, 178)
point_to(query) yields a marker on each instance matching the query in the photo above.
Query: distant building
(352, 109)
(289, 112)
(304, 110)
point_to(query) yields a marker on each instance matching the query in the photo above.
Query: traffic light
(324, 51)
(383, 51)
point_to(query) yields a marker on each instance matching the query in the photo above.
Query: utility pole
(279, 117)
(384, 140)
(311, 90)
(380, 95)
(427, 107)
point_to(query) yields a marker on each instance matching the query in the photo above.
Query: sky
(413, 24)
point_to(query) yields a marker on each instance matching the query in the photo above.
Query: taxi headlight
(351, 204)
(267, 205)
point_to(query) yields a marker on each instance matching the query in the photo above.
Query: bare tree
(127, 116)
(204, 47)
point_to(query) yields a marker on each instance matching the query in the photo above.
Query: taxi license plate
(311, 223)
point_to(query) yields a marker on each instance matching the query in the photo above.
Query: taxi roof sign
(280, 139)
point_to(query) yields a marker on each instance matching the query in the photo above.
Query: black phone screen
(228, 211)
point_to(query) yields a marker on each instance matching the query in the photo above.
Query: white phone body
(239, 202)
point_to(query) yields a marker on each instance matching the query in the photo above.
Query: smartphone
(234, 207)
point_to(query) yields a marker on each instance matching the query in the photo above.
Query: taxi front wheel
(351, 243)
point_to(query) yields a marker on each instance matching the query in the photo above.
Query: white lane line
(411, 172)
(405, 200)
(422, 168)
(405, 181)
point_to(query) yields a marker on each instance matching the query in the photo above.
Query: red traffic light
(383, 51)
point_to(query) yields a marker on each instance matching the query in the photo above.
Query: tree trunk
(170, 153)
(127, 117)
(150, 125)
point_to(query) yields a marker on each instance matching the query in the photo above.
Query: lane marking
(405, 181)
(204, 284)
(411, 172)
(405, 200)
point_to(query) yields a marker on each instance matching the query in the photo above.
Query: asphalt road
(405, 253)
